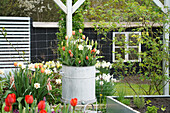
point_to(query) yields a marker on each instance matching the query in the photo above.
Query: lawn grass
(128, 91)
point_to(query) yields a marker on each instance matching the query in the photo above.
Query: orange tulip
(80, 30)
(42, 70)
(15, 64)
(73, 32)
(66, 37)
(83, 37)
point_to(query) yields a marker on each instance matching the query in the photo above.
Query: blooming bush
(78, 50)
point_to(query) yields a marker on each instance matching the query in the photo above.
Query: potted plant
(78, 56)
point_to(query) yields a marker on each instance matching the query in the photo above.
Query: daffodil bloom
(36, 85)
(58, 81)
(1, 72)
(80, 47)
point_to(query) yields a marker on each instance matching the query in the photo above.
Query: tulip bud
(15, 64)
(80, 30)
(92, 42)
(83, 37)
(66, 37)
(62, 43)
(73, 32)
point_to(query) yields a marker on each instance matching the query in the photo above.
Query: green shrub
(139, 101)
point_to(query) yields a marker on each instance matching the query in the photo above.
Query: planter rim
(145, 96)
(120, 103)
(78, 66)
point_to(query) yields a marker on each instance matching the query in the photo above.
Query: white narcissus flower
(1, 72)
(97, 52)
(101, 83)
(55, 70)
(58, 81)
(48, 71)
(97, 65)
(20, 64)
(31, 66)
(104, 64)
(106, 77)
(80, 47)
(89, 47)
(97, 78)
(58, 64)
(23, 66)
(36, 85)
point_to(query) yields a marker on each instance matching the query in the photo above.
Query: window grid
(127, 46)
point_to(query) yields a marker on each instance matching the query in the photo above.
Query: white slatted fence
(18, 33)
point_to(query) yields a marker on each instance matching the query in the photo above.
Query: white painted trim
(90, 24)
(77, 5)
(61, 5)
(126, 39)
(159, 4)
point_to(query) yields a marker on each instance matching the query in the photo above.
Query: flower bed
(153, 104)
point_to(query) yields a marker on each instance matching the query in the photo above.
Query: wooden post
(166, 42)
(69, 10)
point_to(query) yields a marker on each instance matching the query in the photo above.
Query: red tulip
(63, 48)
(87, 58)
(79, 61)
(11, 98)
(93, 51)
(41, 105)
(43, 111)
(7, 103)
(29, 99)
(69, 51)
(7, 108)
(73, 32)
(73, 102)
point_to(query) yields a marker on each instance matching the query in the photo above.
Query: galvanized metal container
(78, 82)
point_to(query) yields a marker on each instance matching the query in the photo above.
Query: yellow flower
(101, 95)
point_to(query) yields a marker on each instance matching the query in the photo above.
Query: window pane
(120, 39)
(120, 53)
(133, 54)
(133, 39)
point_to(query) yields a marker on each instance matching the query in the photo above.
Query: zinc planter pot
(78, 82)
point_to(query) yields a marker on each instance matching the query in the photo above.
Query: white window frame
(126, 39)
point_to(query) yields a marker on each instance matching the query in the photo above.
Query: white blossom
(80, 47)
(36, 85)
(89, 47)
(1, 72)
(58, 81)
(97, 52)
(101, 83)
(48, 71)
